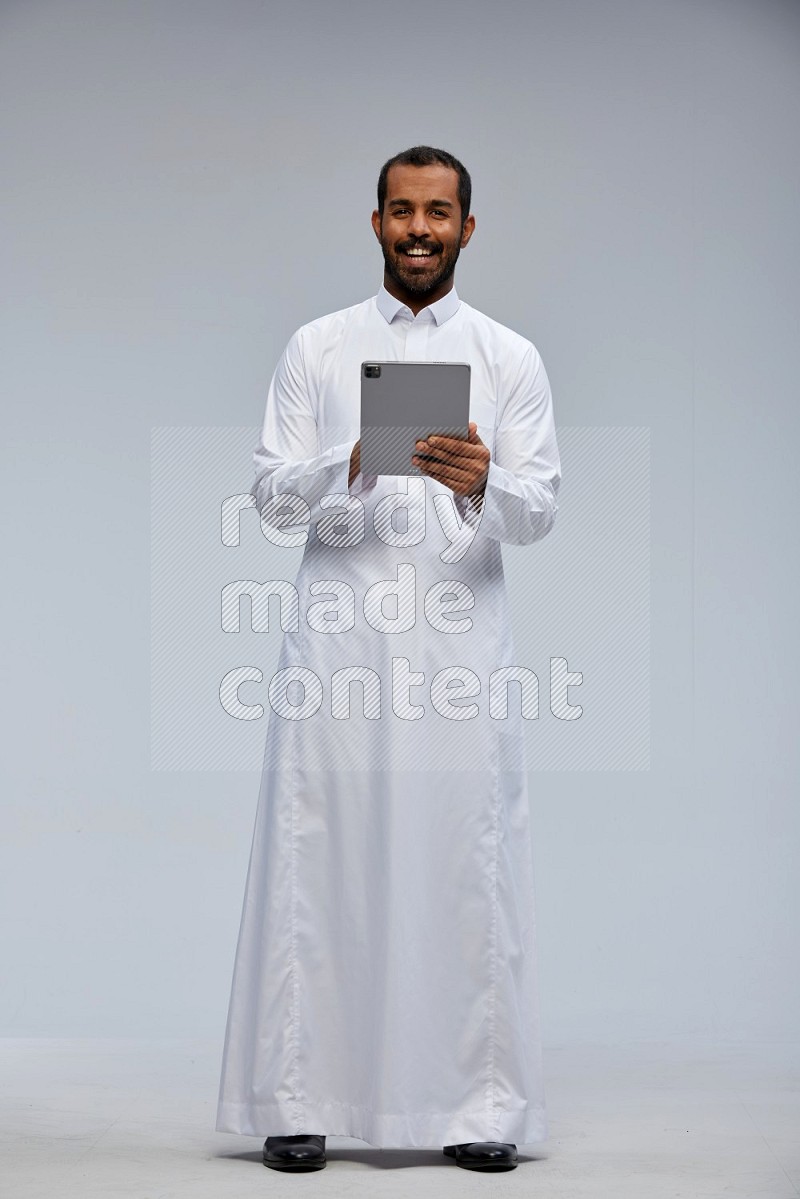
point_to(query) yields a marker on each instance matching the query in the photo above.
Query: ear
(469, 229)
(376, 223)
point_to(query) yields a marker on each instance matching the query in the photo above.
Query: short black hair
(426, 156)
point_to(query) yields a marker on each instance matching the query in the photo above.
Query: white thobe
(384, 984)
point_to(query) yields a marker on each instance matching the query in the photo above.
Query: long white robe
(385, 984)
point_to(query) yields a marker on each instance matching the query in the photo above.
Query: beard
(420, 281)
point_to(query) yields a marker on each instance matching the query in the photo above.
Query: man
(384, 985)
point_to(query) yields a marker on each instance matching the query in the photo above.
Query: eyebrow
(438, 203)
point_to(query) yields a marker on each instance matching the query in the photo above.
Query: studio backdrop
(184, 185)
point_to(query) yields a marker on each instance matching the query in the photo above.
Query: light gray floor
(116, 1118)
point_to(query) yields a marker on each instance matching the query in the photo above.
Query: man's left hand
(463, 466)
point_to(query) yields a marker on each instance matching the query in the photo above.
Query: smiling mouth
(420, 259)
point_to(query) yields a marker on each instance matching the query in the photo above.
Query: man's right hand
(355, 461)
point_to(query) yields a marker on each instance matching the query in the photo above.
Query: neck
(416, 302)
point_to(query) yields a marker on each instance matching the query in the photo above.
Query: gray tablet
(404, 401)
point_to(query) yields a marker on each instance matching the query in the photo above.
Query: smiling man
(384, 985)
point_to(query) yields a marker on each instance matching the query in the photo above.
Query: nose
(418, 226)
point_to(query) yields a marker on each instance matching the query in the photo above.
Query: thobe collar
(441, 310)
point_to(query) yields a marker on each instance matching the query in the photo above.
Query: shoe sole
(487, 1167)
(300, 1167)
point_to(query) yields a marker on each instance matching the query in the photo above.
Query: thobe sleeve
(287, 457)
(519, 503)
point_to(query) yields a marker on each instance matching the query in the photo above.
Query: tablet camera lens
(372, 372)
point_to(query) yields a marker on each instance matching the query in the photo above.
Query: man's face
(421, 212)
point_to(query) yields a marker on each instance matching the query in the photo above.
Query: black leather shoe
(483, 1155)
(301, 1152)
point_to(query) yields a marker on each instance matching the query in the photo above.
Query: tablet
(404, 401)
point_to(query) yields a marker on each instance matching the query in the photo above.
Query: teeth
(419, 253)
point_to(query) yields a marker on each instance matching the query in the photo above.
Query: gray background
(185, 184)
